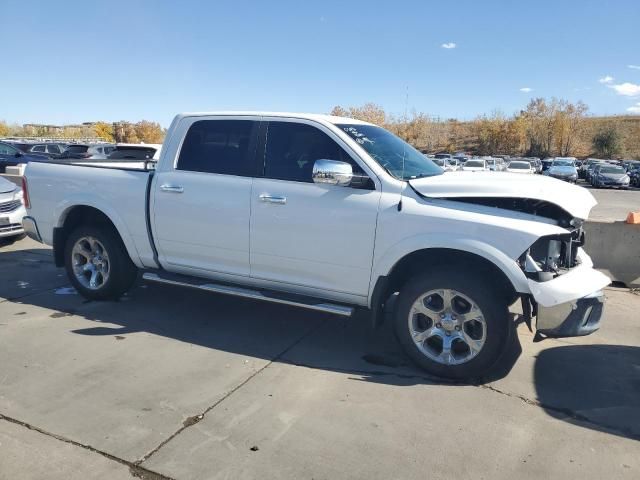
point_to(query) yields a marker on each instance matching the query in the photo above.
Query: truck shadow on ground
(593, 386)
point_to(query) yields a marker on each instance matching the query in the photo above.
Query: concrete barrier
(614, 248)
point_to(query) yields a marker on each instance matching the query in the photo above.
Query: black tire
(491, 301)
(122, 271)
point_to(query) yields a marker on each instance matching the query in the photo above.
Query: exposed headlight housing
(553, 255)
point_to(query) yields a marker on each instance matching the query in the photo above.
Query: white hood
(577, 201)
(6, 186)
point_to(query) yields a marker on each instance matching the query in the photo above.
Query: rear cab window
(220, 146)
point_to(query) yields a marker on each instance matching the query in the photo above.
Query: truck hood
(576, 201)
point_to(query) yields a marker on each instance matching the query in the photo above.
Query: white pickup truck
(329, 214)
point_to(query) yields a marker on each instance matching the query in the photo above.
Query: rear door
(201, 206)
(311, 238)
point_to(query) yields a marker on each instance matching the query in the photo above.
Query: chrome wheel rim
(447, 326)
(90, 262)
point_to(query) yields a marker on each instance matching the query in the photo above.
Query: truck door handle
(273, 199)
(171, 188)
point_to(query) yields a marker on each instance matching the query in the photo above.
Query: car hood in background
(6, 186)
(562, 171)
(576, 201)
(613, 176)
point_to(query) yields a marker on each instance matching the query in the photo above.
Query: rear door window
(220, 146)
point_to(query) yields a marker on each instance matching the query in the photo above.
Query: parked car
(445, 164)
(495, 164)
(11, 156)
(26, 147)
(634, 176)
(520, 166)
(563, 168)
(52, 150)
(87, 150)
(546, 163)
(590, 168)
(12, 210)
(332, 215)
(608, 175)
(629, 165)
(475, 165)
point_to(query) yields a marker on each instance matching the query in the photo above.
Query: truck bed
(120, 192)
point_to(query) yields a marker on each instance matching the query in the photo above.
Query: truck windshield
(392, 153)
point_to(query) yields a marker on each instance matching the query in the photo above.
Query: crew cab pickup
(330, 214)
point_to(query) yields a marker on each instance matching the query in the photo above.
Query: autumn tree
(149, 132)
(4, 129)
(104, 131)
(369, 112)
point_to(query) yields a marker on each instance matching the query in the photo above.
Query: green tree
(607, 142)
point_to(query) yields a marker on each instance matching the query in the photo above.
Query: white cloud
(635, 108)
(635, 67)
(627, 89)
(526, 89)
(607, 79)
(448, 45)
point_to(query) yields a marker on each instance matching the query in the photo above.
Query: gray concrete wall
(614, 248)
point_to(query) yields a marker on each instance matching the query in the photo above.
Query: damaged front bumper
(572, 304)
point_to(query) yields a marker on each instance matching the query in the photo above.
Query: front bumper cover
(571, 304)
(571, 319)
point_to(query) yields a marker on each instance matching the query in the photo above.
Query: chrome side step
(309, 303)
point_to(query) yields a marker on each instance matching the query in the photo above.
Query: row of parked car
(15, 152)
(453, 163)
(600, 173)
(611, 173)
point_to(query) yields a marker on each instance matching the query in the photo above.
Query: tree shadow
(594, 386)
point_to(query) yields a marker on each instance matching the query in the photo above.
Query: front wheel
(98, 264)
(452, 325)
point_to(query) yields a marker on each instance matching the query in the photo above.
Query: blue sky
(71, 61)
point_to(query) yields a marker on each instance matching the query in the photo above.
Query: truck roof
(305, 116)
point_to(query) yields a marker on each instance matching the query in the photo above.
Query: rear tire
(472, 319)
(97, 263)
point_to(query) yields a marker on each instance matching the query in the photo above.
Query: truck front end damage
(566, 292)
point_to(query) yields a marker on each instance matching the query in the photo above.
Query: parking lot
(613, 204)
(173, 383)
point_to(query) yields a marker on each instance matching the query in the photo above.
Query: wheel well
(421, 260)
(74, 217)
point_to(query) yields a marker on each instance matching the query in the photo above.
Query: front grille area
(11, 206)
(12, 227)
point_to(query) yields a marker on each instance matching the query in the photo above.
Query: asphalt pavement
(180, 384)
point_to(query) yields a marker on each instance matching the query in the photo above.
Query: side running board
(294, 300)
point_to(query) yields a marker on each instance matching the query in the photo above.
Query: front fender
(385, 262)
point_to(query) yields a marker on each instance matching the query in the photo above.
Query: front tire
(98, 264)
(453, 325)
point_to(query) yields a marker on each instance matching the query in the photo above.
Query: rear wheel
(98, 264)
(452, 324)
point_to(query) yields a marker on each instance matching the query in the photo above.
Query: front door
(304, 234)
(201, 206)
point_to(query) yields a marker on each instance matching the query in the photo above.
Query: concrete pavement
(173, 383)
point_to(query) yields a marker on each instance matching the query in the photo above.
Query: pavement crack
(136, 470)
(563, 411)
(197, 418)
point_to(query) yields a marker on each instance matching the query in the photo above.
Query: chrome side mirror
(332, 172)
